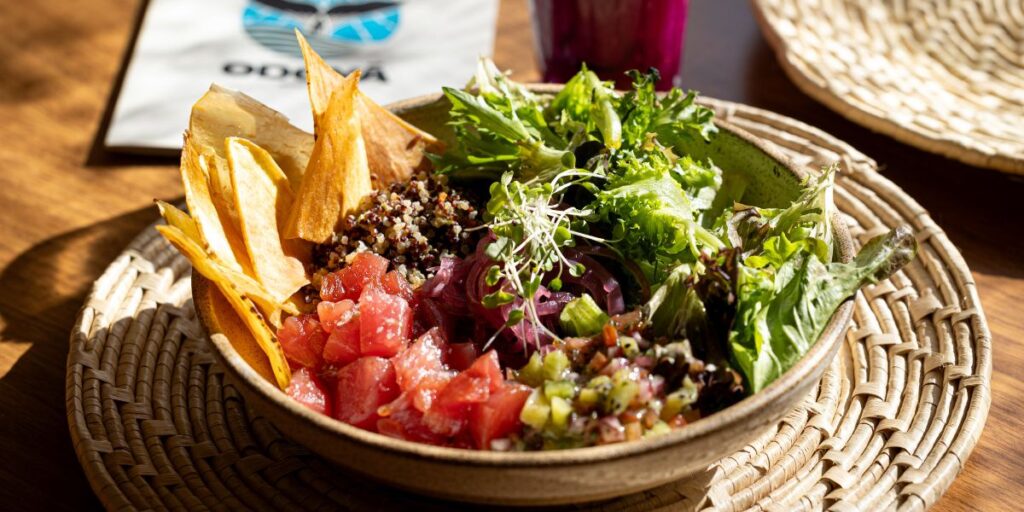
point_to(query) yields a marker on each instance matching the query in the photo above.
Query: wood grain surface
(68, 208)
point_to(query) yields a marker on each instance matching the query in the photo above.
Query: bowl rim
(731, 416)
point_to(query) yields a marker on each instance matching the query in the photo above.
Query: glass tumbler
(610, 37)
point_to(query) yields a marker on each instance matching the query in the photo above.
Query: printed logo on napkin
(403, 48)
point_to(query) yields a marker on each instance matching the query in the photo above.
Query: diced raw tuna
(333, 313)
(449, 412)
(303, 340)
(499, 415)
(401, 419)
(307, 389)
(342, 345)
(362, 387)
(365, 269)
(420, 359)
(385, 323)
(395, 284)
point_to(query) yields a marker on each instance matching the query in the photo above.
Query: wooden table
(69, 208)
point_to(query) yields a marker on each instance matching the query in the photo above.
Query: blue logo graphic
(333, 27)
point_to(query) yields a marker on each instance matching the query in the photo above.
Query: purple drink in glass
(610, 37)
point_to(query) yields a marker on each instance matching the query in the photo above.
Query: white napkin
(404, 49)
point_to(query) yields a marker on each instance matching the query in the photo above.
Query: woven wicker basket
(946, 76)
(889, 426)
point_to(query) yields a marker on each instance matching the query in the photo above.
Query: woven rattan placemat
(890, 425)
(946, 76)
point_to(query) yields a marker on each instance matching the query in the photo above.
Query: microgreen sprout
(532, 229)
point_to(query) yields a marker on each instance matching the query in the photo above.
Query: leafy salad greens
(595, 169)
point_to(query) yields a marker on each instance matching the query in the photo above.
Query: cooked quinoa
(413, 224)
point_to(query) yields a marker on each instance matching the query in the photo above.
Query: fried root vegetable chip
(225, 320)
(242, 304)
(263, 199)
(180, 220)
(246, 285)
(223, 113)
(219, 232)
(394, 148)
(321, 80)
(337, 178)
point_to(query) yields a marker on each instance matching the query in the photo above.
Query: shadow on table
(44, 289)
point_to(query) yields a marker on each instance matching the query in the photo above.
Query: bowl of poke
(514, 294)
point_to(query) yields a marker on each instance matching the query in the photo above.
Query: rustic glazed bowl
(555, 477)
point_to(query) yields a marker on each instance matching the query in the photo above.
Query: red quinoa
(412, 224)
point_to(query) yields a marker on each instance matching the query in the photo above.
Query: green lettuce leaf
(491, 142)
(700, 181)
(781, 312)
(649, 210)
(673, 117)
(679, 118)
(808, 217)
(585, 110)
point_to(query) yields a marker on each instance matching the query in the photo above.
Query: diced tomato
(395, 284)
(460, 355)
(303, 340)
(333, 313)
(385, 323)
(420, 359)
(342, 345)
(307, 389)
(362, 388)
(499, 415)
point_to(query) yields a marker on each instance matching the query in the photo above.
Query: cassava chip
(219, 233)
(246, 285)
(394, 148)
(243, 305)
(223, 113)
(263, 199)
(337, 178)
(321, 80)
(180, 220)
(231, 325)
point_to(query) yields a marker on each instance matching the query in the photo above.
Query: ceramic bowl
(554, 477)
